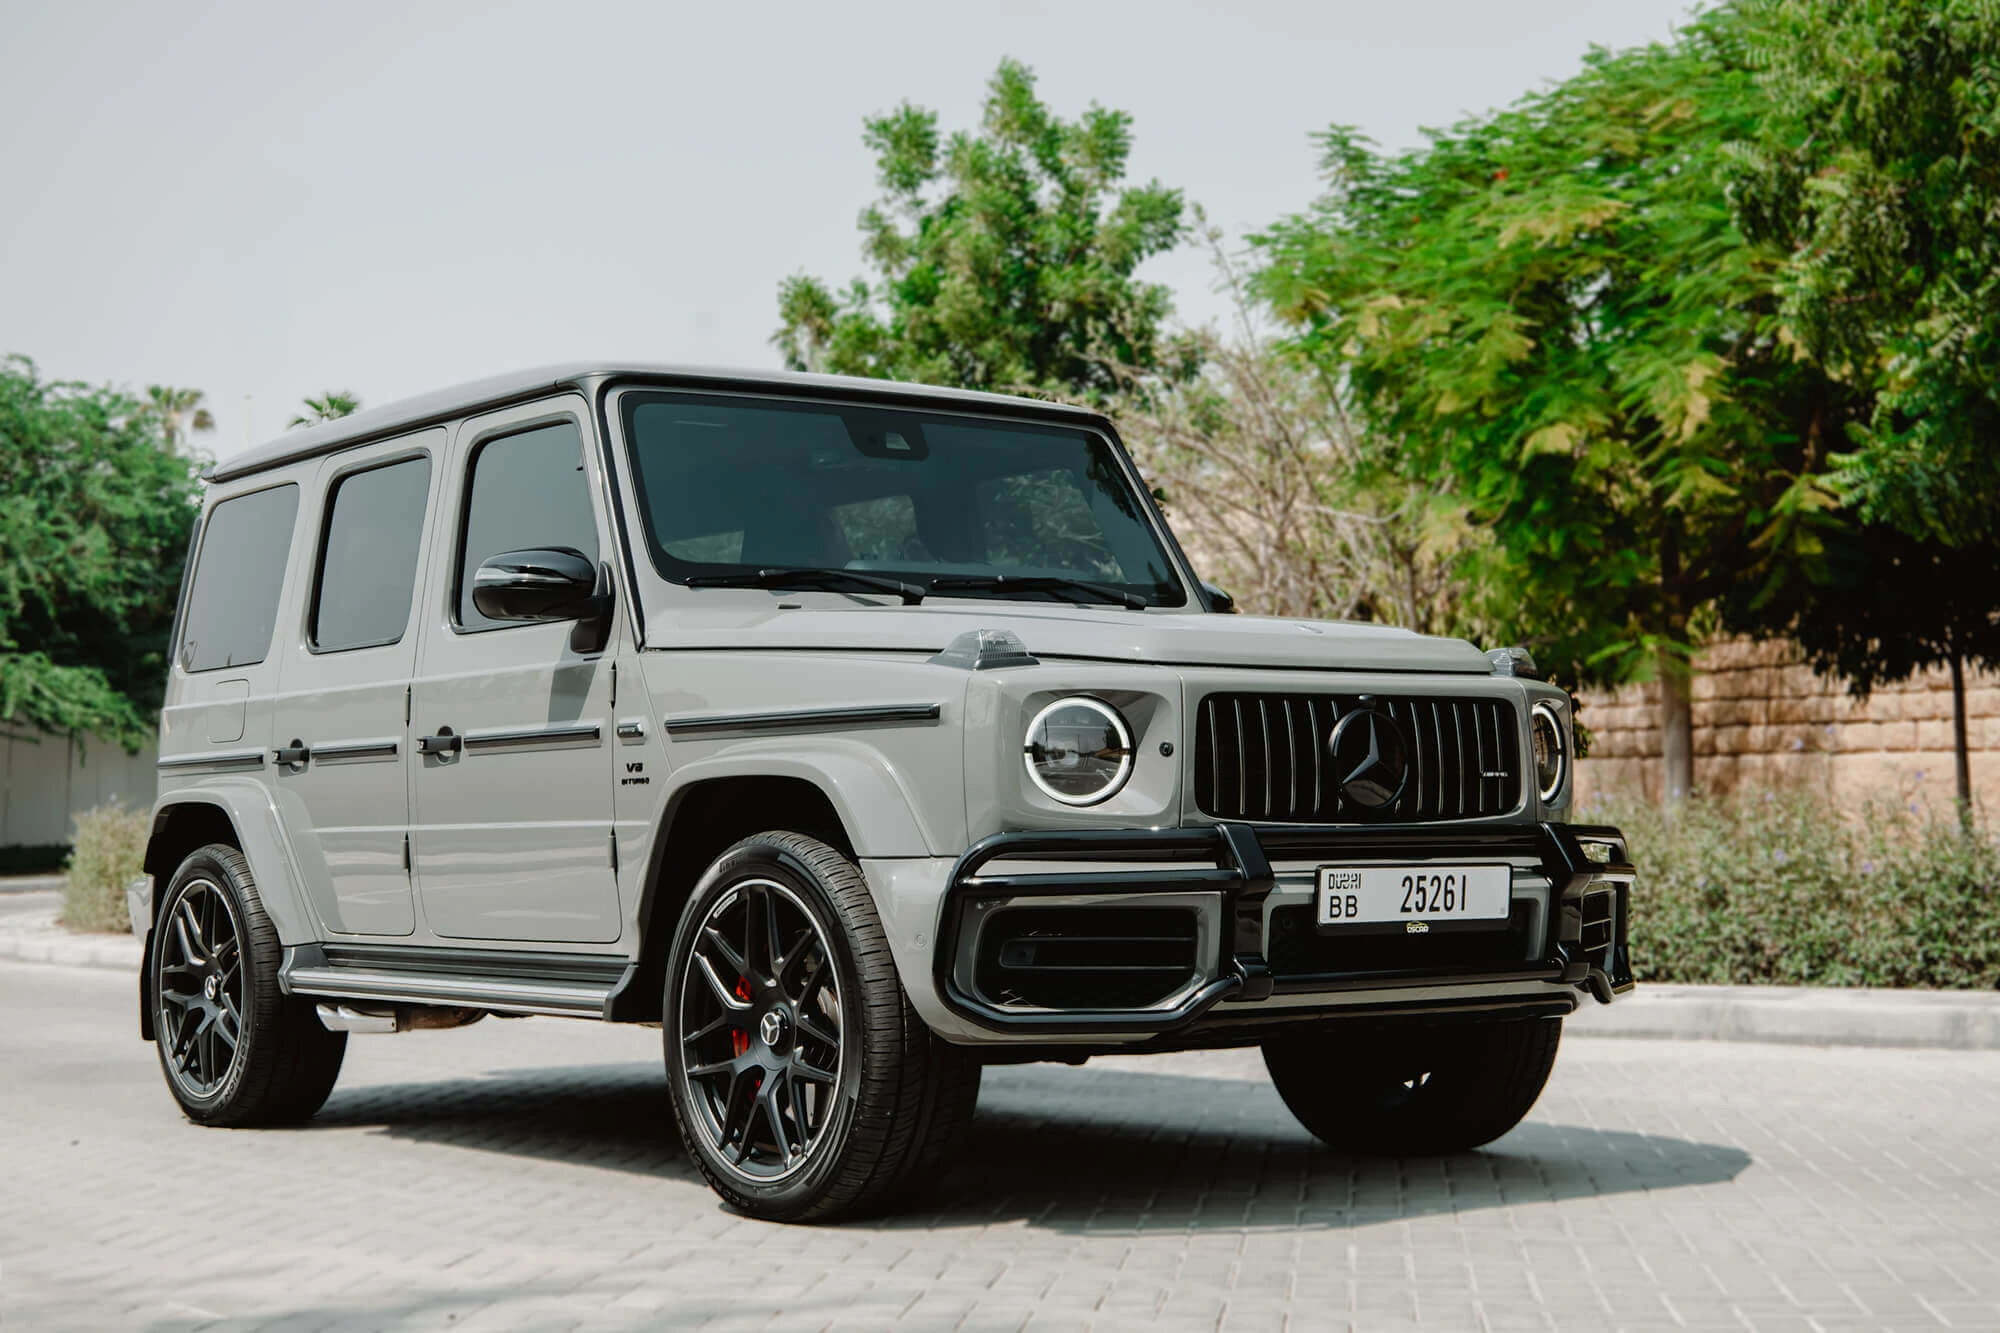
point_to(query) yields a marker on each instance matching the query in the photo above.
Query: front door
(513, 781)
(341, 746)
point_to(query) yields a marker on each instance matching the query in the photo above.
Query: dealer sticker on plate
(1421, 896)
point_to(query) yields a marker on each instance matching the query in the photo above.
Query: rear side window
(368, 560)
(526, 491)
(238, 574)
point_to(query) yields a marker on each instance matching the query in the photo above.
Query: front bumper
(1255, 957)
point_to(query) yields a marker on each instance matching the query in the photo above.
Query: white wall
(46, 779)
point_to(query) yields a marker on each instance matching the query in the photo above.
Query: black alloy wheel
(805, 1085)
(236, 1050)
(761, 1014)
(200, 986)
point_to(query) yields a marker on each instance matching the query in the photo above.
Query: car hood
(1054, 631)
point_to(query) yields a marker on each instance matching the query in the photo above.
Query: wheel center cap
(212, 987)
(771, 1027)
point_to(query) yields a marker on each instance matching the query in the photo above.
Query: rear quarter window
(239, 573)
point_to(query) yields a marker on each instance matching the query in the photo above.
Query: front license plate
(1418, 897)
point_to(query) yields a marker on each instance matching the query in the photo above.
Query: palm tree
(180, 413)
(331, 405)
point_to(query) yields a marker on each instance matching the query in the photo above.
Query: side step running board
(504, 981)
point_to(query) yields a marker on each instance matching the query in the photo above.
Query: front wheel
(805, 1086)
(1414, 1091)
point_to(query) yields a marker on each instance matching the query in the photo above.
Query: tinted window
(368, 563)
(750, 483)
(238, 574)
(528, 490)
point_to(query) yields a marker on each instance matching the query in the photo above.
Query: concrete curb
(1799, 1015)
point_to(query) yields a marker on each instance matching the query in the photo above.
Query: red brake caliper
(740, 1041)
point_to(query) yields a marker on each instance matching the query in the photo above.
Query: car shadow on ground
(1094, 1149)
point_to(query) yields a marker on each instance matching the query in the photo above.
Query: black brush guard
(1586, 948)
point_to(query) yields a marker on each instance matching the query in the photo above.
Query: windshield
(747, 484)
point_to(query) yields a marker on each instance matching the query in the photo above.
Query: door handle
(294, 756)
(444, 743)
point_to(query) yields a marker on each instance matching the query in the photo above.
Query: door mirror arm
(592, 630)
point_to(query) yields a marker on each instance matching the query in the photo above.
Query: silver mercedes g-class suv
(856, 734)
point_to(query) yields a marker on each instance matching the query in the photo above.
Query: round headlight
(1079, 751)
(1551, 751)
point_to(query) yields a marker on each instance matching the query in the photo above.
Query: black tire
(235, 1049)
(1415, 1091)
(784, 1123)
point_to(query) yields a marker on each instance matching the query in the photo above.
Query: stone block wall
(1763, 719)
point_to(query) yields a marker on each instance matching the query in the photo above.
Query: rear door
(341, 749)
(225, 672)
(513, 836)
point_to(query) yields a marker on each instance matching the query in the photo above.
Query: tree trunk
(1676, 725)
(1961, 755)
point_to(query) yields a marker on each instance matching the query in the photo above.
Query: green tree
(182, 413)
(331, 405)
(1003, 259)
(1882, 605)
(1553, 307)
(96, 507)
(1879, 181)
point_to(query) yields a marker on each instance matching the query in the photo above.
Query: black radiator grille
(1265, 757)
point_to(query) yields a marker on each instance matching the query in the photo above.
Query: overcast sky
(272, 199)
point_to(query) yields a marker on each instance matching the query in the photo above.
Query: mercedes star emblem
(1371, 758)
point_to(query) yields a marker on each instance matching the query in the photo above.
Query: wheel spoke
(728, 1018)
(768, 1095)
(802, 1068)
(749, 1105)
(806, 948)
(229, 1024)
(737, 963)
(713, 1068)
(728, 997)
(774, 951)
(189, 953)
(811, 1028)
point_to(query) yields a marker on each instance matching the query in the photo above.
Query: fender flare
(260, 836)
(866, 792)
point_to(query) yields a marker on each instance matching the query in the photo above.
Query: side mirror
(553, 583)
(1219, 602)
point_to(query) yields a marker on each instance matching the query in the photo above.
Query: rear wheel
(235, 1049)
(1425, 1091)
(805, 1086)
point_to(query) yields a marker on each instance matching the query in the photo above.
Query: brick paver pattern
(524, 1174)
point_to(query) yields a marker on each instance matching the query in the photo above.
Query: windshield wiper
(809, 578)
(1037, 583)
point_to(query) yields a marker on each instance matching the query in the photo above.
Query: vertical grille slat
(1291, 751)
(1253, 752)
(1270, 756)
(1479, 758)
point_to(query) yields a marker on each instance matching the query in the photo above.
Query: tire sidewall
(756, 858)
(205, 866)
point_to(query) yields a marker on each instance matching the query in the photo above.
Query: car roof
(500, 390)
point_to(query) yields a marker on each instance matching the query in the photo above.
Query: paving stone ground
(523, 1175)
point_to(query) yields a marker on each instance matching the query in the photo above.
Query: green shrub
(1785, 889)
(110, 849)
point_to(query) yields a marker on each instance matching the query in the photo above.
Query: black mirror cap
(543, 583)
(1219, 602)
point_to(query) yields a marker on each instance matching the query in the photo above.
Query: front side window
(526, 491)
(743, 484)
(239, 572)
(368, 560)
